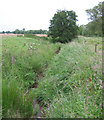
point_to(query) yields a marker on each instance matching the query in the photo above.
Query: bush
(19, 35)
(29, 35)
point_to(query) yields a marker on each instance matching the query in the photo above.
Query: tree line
(23, 31)
(94, 27)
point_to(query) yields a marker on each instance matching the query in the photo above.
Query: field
(5, 34)
(54, 80)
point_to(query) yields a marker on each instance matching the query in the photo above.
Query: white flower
(100, 87)
(31, 47)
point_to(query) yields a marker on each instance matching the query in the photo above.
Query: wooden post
(85, 42)
(95, 48)
(24, 44)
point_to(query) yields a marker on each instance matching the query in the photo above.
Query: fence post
(85, 42)
(95, 48)
(24, 44)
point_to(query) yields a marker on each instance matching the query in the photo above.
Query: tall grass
(0, 77)
(23, 59)
(72, 86)
(13, 104)
(71, 82)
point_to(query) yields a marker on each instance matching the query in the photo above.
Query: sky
(36, 14)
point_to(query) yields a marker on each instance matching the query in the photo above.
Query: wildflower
(100, 81)
(31, 46)
(100, 87)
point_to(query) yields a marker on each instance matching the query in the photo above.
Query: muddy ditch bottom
(37, 108)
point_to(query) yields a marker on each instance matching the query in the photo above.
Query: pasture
(69, 83)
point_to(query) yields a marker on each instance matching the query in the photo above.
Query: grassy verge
(23, 60)
(72, 86)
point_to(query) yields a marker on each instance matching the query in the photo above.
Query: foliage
(63, 26)
(102, 19)
(82, 30)
(30, 31)
(95, 15)
(94, 27)
(21, 65)
(69, 83)
(96, 12)
(72, 86)
(29, 35)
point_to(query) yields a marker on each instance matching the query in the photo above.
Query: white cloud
(35, 14)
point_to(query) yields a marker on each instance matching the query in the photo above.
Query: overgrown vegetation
(23, 61)
(68, 76)
(94, 27)
(69, 83)
(72, 86)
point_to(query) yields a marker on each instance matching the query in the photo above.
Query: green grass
(23, 59)
(70, 83)
(13, 105)
(0, 77)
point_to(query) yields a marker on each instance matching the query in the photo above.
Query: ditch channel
(37, 108)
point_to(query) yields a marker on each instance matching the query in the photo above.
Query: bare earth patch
(40, 35)
(5, 34)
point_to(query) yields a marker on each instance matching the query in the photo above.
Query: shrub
(29, 35)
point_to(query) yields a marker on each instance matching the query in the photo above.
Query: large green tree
(63, 26)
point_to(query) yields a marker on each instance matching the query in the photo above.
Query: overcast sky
(36, 14)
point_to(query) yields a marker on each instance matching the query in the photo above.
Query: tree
(3, 32)
(63, 26)
(95, 17)
(8, 32)
(95, 13)
(17, 31)
(82, 30)
(23, 31)
(103, 21)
